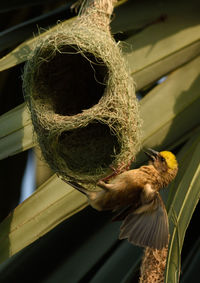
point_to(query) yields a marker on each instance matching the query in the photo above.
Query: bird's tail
(77, 187)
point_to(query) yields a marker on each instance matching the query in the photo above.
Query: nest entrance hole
(90, 149)
(71, 81)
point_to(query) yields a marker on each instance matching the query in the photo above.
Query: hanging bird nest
(81, 98)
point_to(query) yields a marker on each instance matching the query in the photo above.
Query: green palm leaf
(185, 194)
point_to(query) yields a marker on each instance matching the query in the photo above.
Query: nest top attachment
(82, 101)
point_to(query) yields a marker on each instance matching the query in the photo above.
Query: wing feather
(149, 228)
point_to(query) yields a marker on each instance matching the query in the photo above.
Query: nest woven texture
(153, 265)
(82, 100)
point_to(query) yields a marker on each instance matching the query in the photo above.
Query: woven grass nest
(82, 101)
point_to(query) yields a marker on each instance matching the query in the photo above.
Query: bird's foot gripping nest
(116, 171)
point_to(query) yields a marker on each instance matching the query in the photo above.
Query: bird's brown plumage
(134, 196)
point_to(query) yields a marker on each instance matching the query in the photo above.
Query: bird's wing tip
(148, 229)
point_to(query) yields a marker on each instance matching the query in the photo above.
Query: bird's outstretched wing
(148, 228)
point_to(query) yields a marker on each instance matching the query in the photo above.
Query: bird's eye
(162, 159)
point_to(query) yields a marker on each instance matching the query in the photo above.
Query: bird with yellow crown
(134, 196)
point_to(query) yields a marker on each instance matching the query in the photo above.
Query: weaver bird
(134, 196)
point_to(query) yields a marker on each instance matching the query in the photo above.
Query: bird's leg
(117, 171)
(113, 174)
(127, 167)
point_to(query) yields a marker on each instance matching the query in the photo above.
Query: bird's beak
(151, 153)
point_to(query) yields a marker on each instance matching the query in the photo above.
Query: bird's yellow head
(170, 159)
(164, 161)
